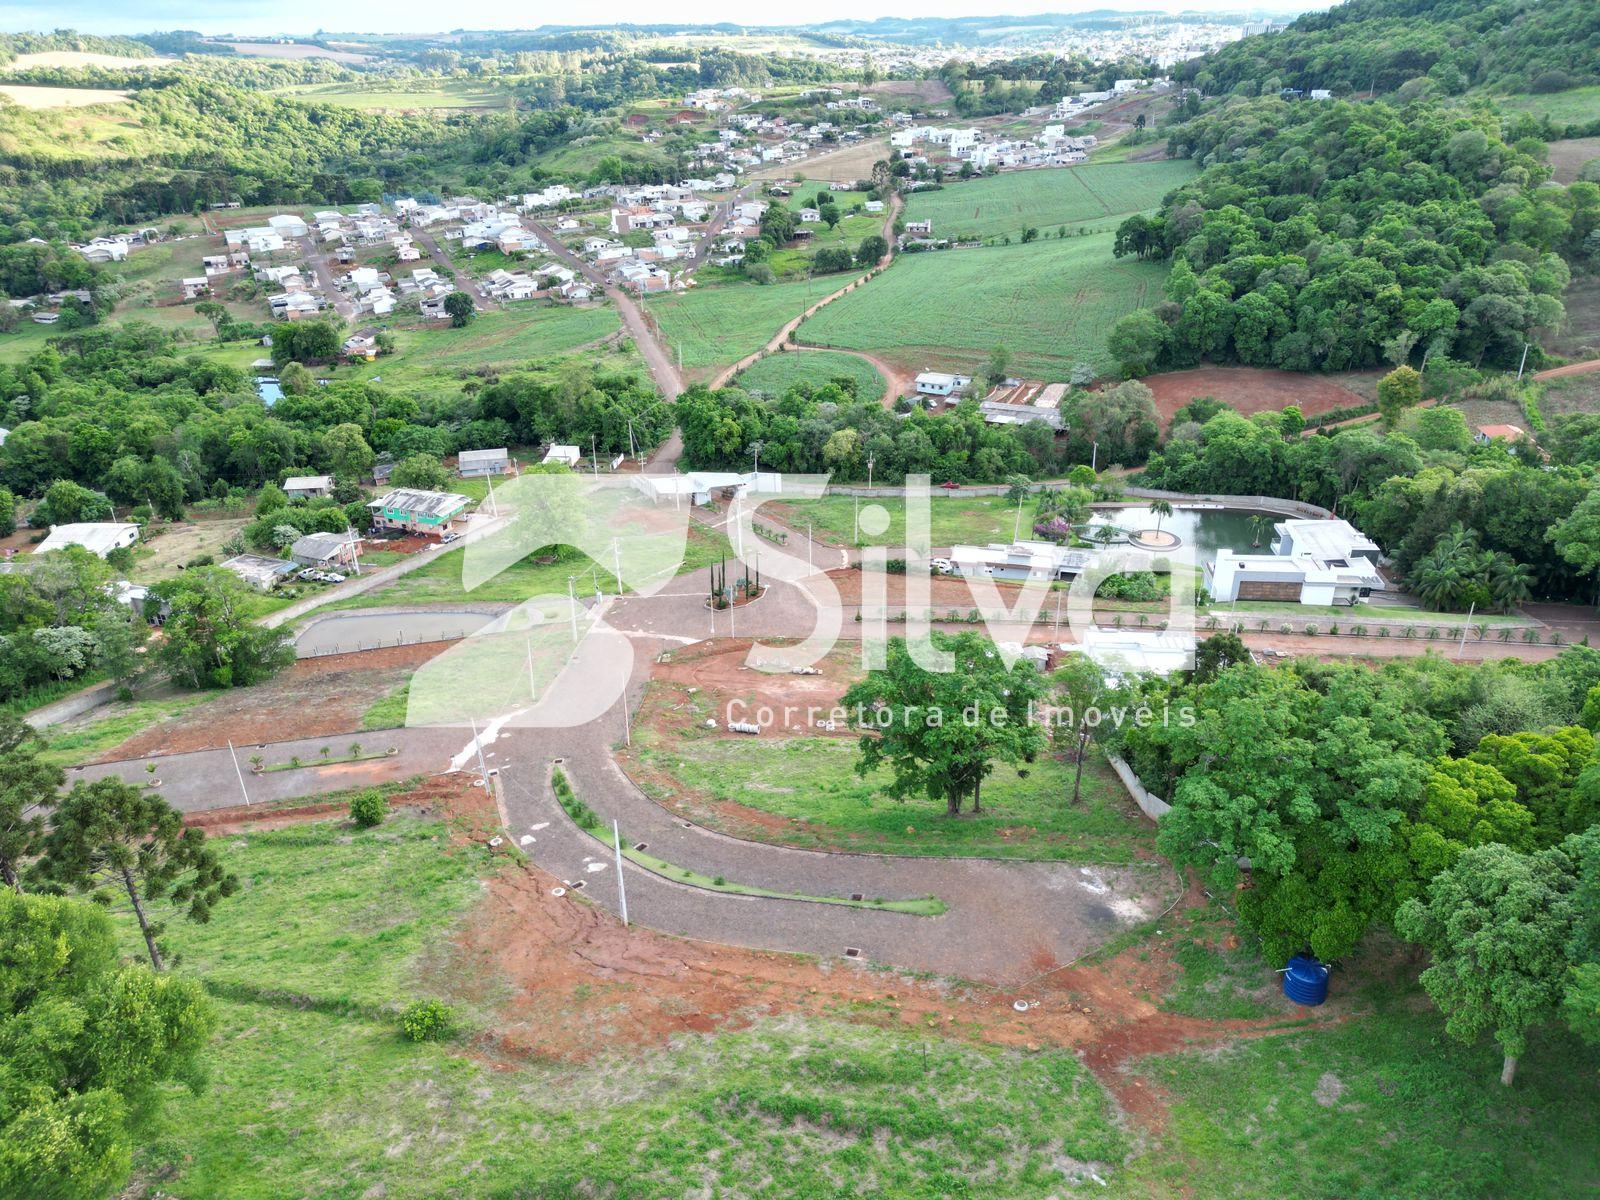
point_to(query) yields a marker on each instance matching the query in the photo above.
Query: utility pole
(1094, 457)
(238, 772)
(616, 558)
(494, 509)
(478, 746)
(594, 461)
(1524, 361)
(622, 887)
(572, 606)
(808, 546)
(1466, 625)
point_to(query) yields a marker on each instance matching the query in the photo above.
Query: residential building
(472, 463)
(939, 383)
(1312, 562)
(259, 571)
(304, 487)
(415, 511)
(1020, 561)
(329, 551)
(568, 456)
(100, 538)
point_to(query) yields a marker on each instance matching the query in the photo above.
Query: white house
(483, 462)
(299, 487)
(98, 537)
(1312, 562)
(567, 456)
(939, 383)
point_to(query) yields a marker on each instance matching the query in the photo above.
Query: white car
(333, 577)
(942, 566)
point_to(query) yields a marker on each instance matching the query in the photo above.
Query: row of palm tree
(1458, 574)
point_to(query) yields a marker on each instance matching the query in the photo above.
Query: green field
(1576, 106)
(1089, 196)
(952, 518)
(494, 339)
(813, 781)
(715, 326)
(440, 94)
(1050, 303)
(777, 373)
(439, 582)
(314, 1093)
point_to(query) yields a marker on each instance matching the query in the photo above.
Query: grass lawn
(1050, 303)
(313, 1092)
(440, 581)
(1382, 1105)
(1089, 196)
(952, 518)
(775, 374)
(1576, 106)
(813, 780)
(714, 326)
(113, 725)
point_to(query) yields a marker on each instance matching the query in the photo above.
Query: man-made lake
(269, 391)
(1203, 530)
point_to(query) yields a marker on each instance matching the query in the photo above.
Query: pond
(1205, 530)
(269, 391)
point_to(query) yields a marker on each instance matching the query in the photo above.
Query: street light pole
(572, 604)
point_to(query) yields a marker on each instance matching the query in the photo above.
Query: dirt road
(662, 369)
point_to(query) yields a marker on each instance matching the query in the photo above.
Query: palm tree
(1161, 509)
(1510, 582)
(1437, 578)
(1258, 524)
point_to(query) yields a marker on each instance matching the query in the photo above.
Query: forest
(1331, 236)
(1381, 45)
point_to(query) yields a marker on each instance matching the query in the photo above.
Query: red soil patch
(721, 680)
(316, 697)
(582, 984)
(1249, 390)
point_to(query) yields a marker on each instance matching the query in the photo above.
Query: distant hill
(1382, 45)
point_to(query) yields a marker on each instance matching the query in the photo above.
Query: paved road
(316, 257)
(462, 280)
(662, 369)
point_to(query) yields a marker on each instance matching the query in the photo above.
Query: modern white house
(939, 383)
(567, 456)
(98, 537)
(1312, 562)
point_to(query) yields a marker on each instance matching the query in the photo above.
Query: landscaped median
(587, 820)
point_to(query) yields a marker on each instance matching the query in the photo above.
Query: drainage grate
(578, 887)
(641, 846)
(852, 952)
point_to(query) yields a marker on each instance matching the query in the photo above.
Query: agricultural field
(423, 95)
(293, 50)
(775, 374)
(499, 339)
(848, 164)
(27, 96)
(1579, 338)
(1576, 106)
(1569, 157)
(1049, 302)
(715, 326)
(1077, 198)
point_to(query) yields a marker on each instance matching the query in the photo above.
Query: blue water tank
(1305, 981)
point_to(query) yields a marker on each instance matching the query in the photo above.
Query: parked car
(448, 537)
(333, 577)
(942, 566)
(950, 485)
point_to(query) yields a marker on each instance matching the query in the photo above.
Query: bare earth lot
(1251, 390)
(1567, 157)
(316, 697)
(27, 96)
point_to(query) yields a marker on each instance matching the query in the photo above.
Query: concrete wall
(1152, 806)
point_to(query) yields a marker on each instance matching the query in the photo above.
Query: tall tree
(1497, 925)
(211, 640)
(110, 834)
(941, 733)
(86, 1044)
(27, 787)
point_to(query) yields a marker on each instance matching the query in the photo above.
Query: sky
(254, 18)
